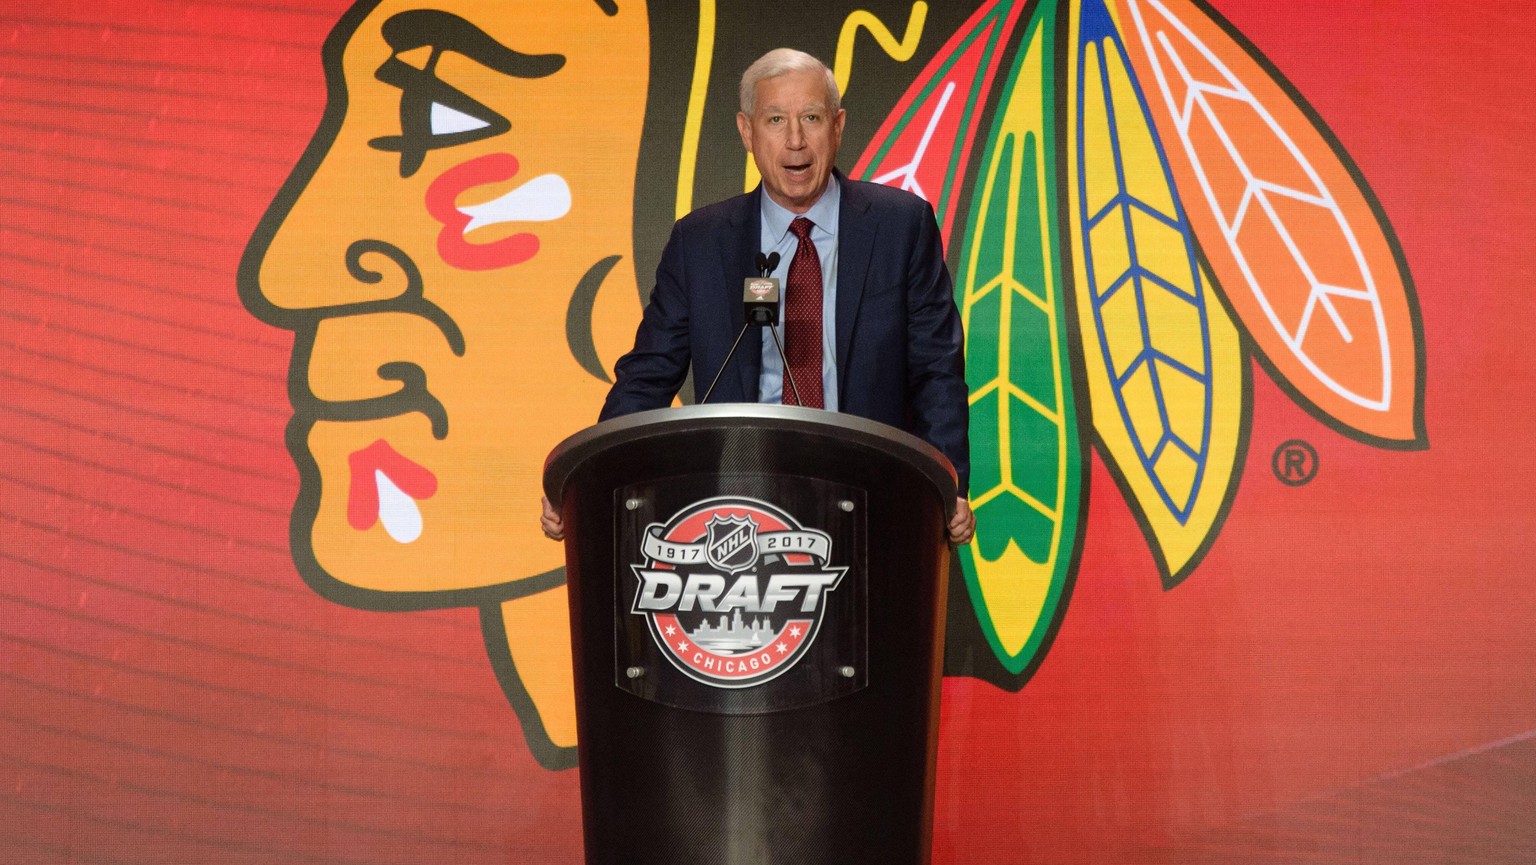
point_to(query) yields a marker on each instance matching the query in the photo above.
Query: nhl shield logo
(734, 590)
(731, 543)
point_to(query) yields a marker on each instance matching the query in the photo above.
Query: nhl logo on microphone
(734, 590)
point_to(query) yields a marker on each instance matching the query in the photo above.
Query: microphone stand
(788, 376)
(759, 317)
(728, 355)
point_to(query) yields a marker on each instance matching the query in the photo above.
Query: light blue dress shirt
(776, 237)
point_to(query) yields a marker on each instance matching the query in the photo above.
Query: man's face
(455, 263)
(793, 137)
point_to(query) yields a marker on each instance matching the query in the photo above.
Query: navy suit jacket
(899, 342)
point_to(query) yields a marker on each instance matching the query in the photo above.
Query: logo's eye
(433, 114)
(449, 121)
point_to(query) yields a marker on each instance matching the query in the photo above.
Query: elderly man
(870, 324)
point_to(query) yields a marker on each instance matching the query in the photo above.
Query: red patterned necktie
(802, 320)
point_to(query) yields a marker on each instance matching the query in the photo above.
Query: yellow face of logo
(454, 256)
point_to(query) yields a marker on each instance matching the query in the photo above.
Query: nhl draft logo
(734, 590)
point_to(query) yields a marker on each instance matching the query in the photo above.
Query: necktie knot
(801, 227)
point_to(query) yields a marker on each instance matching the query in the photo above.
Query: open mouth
(800, 170)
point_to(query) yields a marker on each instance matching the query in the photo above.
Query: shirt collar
(823, 213)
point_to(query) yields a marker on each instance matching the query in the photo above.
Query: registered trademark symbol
(1295, 463)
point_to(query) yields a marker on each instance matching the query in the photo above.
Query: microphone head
(766, 262)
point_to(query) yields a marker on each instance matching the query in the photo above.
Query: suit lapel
(738, 251)
(856, 243)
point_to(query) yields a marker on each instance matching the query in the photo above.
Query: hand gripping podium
(757, 610)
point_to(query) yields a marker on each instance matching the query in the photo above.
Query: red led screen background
(1345, 676)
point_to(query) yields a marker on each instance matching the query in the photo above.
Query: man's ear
(744, 126)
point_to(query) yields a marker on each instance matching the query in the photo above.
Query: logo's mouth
(413, 396)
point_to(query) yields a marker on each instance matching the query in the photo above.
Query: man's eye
(812, 118)
(433, 114)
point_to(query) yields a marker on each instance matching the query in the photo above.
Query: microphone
(760, 295)
(760, 300)
(766, 262)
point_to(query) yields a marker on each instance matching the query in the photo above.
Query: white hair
(783, 61)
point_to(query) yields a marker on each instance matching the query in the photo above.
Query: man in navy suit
(891, 342)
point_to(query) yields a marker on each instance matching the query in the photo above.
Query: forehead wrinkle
(773, 108)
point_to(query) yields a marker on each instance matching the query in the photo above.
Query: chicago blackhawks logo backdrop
(296, 298)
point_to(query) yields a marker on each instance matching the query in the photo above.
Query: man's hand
(962, 525)
(553, 526)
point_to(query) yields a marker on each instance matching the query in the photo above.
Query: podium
(757, 612)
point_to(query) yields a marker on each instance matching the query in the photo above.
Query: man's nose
(796, 136)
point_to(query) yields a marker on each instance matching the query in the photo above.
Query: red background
(1345, 678)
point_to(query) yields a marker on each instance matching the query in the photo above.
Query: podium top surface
(640, 426)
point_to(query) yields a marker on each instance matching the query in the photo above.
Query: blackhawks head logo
(734, 590)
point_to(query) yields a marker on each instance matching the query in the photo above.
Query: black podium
(757, 611)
